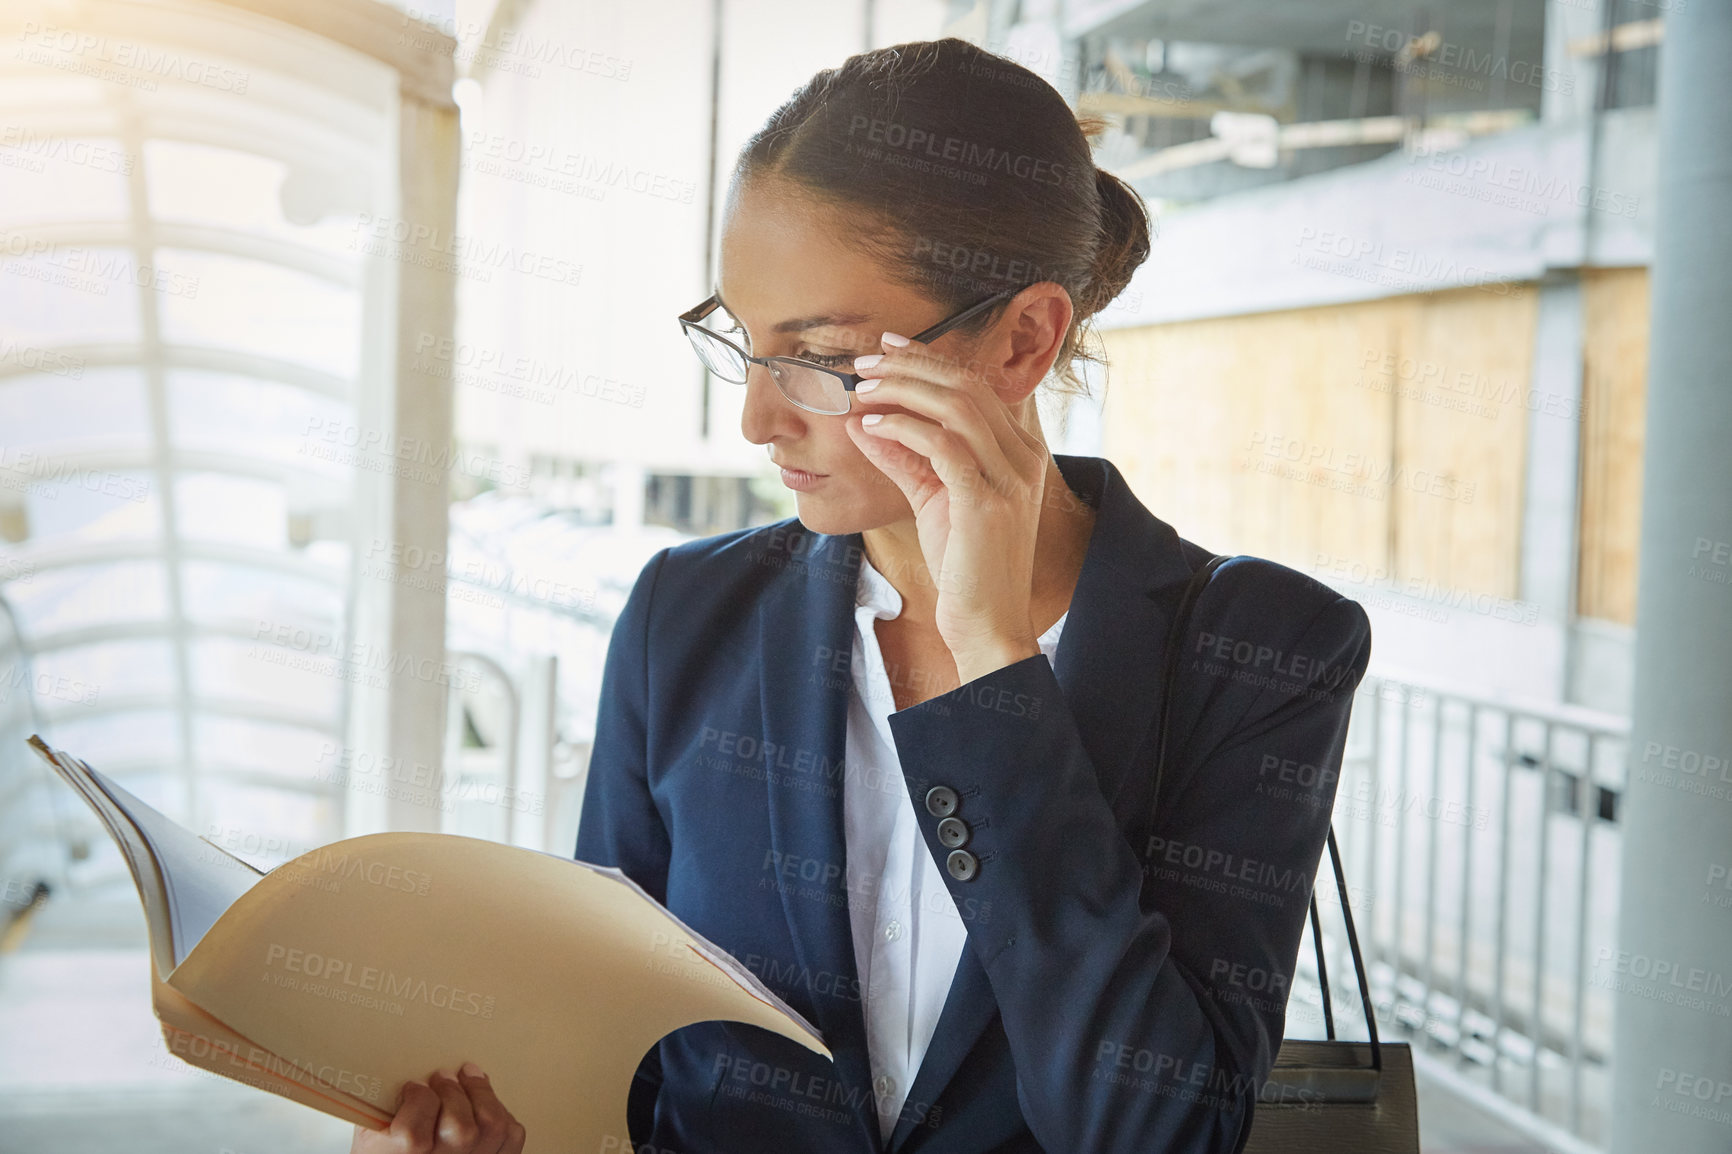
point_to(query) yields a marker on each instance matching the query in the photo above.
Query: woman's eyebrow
(801, 324)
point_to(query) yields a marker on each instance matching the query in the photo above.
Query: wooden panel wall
(1384, 438)
(1614, 408)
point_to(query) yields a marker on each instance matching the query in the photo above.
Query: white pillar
(1672, 1029)
(396, 713)
(531, 809)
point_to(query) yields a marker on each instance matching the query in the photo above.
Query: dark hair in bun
(969, 174)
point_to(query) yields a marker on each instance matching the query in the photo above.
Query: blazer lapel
(1108, 665)
(805, 619)
(1112, 652)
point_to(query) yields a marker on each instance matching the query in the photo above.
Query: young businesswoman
(896, 754)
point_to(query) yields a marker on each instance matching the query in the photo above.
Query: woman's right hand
(446, 1115)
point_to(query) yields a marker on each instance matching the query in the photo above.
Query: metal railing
(1481, 848)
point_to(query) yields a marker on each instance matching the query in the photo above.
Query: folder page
(354, 968)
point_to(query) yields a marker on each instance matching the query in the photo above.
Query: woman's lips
(800, 479)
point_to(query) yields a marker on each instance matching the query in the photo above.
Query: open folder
(335, 978)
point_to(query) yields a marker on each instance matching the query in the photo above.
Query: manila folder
(344, 973)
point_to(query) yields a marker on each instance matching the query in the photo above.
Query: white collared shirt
(908, 935)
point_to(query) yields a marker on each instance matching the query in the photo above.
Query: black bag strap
(1175, 639)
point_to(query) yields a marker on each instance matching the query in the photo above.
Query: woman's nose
(767, 414)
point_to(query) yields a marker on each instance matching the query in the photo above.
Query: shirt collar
(873, 591)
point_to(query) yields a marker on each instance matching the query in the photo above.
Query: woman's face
(789, 277)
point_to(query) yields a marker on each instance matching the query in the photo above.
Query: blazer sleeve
(620, 825)
(1143, 1011)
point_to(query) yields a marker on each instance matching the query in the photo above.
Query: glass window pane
(67, 293)
(202, 184)
(45, 177)
(129, 737)
(226, 413)
(266, 826)
(234, 510)
(81, 503)
(87, 675)
(97, 407)
(304, 674)
(262, 308)
(241, 743)
(55, 600)
(224, 594)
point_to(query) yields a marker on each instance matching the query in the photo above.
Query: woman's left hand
(975, 479)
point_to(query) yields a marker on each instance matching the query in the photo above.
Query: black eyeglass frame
(691, 318)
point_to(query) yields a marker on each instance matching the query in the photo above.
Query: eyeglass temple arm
(702, 309)
(967, 314)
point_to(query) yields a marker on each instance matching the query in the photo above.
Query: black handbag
(1334, 1096)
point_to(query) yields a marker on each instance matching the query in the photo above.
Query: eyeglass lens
(807, 387)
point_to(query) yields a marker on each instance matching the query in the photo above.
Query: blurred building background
(341, 402)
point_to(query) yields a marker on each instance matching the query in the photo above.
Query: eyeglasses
(812, 387)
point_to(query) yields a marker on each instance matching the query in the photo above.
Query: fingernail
(867, 385)
(871, 418)
(472, 1070)
(895, 339)
(867, 361)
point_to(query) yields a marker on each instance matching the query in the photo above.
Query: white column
(1672, 1029)
(396, 713)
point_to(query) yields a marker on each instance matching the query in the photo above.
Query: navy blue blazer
(1125, 982)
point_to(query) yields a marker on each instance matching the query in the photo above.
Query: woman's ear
(1029, 337)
